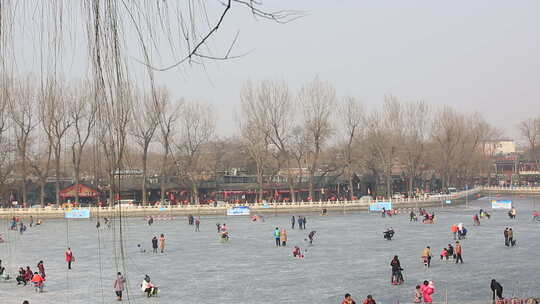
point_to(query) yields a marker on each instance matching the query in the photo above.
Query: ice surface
(349, 255)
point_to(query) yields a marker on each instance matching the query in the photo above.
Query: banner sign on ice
(77, 213)
(378, 206)
(448, 201)
(497, 204)
(240, 210)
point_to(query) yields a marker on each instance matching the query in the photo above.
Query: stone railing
(509, 189)
(256, 207)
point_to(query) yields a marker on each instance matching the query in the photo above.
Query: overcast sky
(474, 55)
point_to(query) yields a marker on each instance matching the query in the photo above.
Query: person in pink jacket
(427, 290)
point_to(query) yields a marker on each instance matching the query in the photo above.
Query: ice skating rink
(349, 254)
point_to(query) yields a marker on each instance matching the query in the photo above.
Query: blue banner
(448, 201)
(240, 210)
(77, 214)
(378, 206)
(502, 204)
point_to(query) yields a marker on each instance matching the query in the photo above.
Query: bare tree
(257, 146)
(6, 146)
(196, 129)
(23, 114)
(317, 98)
(352, 125)
(446, 130)
(56, 117)
(530, 131)
(384, 137)
(269, 106)
(168, 116)
(40, 163)
(83, 114)
(416, 121)
(113, 115)
(143, 126)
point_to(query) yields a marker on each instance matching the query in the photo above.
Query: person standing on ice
(277, 236)
(119, 285)
(283, 237)
(69, 257)
(41, 268)
(154, 244)
(197, 223)
(293, 221)
(426, 256)
(458, 251)
(497, 290)
(162, 243)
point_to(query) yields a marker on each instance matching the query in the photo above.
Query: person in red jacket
(427, 290)
(28, 274)
(369, 300)
(69, 257)
(41, 268)
(38, 280)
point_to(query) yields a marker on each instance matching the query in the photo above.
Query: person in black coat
(497, 290)
(154, 244)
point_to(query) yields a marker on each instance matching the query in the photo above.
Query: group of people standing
(458, 231)
(158, 243)
(509, 237)
(301, 222)
(280, 236)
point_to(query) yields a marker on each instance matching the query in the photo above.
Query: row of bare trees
(530, 131)
(54, 130)
(313, 127)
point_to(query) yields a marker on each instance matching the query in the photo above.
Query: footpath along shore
(458, 198)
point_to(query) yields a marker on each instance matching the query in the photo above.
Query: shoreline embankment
(459, 198)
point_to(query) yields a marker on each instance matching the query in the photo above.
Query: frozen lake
(349, 255)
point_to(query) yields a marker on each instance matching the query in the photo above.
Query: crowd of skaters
(423, 292)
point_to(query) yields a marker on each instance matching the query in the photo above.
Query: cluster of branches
(59, 131)
(530, 131)
(314, 130)
(63, 131)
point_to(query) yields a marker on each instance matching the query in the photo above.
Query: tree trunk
(164, 173)
(411, 183)
(388, 182)
(42, 192)
(260, 182)
(112, 199)
(144, 195)
(351, 187)
(57, 175)
(23, 180)
(194, 193)
(77, 173)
